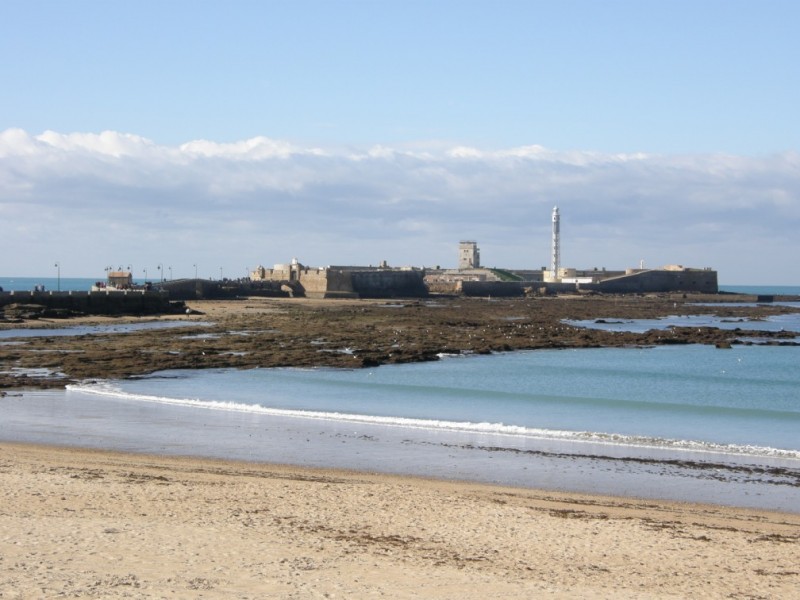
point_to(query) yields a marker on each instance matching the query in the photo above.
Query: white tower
(556, 254)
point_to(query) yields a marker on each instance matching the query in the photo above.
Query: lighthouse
(555, 257)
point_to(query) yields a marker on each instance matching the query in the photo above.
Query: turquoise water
(27, 284)
(75, 284)
(743, 401)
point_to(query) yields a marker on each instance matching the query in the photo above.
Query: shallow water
(111, 328)
(688, 423)
(789, 322)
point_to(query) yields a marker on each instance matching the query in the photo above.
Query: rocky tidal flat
(268, 332)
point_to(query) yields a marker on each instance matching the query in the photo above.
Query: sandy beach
(87, 524)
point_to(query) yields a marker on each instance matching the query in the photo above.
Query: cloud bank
(94, 200)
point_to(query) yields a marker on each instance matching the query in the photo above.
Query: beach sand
(87, 524)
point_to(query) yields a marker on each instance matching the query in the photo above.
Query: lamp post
(195, 270)
(170, 273)
(58, 266)
(220, 273)
(161, 272)
(145, 274)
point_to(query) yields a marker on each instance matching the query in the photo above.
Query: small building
(120, 279)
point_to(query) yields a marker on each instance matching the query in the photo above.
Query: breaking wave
(107, 389)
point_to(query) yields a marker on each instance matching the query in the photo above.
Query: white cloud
(107, 143)
(92, 199)
(257, 148)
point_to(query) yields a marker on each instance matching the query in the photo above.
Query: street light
(170, 273)
(220, 273)
(161, 272)
(195, 270)
(58, 266)
(145, 274)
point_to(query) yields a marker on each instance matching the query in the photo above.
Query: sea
(54, 284)
(687, 423)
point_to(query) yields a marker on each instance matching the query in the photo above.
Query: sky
(232, 134)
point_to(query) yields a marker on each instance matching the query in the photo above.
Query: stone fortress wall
(635, 282)
(346, 281)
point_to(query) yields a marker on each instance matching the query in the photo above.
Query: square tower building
(469, 257)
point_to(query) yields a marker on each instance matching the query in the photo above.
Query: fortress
(502, 282)
(471, 279)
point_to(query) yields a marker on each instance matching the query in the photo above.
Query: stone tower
(469, 257)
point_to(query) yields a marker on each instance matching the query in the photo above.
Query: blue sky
(237, 133)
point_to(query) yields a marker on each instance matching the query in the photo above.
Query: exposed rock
(262, 332)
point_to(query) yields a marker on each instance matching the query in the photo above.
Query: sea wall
(687, 280)
(196, 289)
(95, 303)
(326, 283)
(389, 283)
(366, 283)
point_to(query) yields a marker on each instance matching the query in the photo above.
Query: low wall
(492, 288)
(95, 303)
(692, 280)
(389, 284)
(196, 289)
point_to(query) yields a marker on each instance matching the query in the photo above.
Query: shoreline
(110, 524)
(580, 466)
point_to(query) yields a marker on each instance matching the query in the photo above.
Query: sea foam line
(518, 431)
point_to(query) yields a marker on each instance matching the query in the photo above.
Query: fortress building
(345, 281)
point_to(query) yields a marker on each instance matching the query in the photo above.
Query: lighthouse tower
(555, 258)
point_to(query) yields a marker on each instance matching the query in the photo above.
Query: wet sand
(88, 524)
